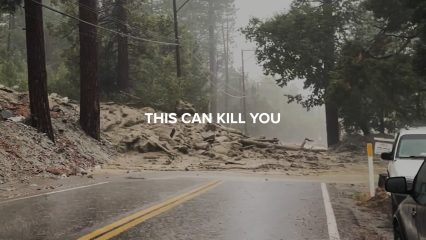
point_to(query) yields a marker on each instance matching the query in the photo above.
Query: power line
(222, 90)
(104, 28)
(95, 11)
(233, 96)
(119, 21)
(183, 5)
(233, 89)
(98, 35)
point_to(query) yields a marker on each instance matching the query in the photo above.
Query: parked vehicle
(409, 220)
(408, 153)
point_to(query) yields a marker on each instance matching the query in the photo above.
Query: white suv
(407, 156)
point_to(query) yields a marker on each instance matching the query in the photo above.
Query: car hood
(406, 168)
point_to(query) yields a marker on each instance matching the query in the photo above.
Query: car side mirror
(387, 156)
(396, 185)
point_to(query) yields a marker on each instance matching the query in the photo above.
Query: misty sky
(265, 9)
(246, 10)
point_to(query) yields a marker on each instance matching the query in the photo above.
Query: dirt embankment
(24, 152)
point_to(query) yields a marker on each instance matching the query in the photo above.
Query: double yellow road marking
(128, 222)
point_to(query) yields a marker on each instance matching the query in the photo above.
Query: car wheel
(397, 235)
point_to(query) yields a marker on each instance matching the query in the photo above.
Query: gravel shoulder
(358, 216)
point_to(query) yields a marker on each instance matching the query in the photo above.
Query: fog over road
(173, 208)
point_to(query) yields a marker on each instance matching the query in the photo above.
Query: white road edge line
(50, 193)
(333, 231)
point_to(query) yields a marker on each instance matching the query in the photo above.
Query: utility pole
(176, 10)
(176, 25)
(244, 92)
(212, 57)
(244, 88)
(226, 47)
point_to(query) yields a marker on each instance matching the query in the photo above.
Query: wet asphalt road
(236, 209)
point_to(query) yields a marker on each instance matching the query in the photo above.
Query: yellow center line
(124, 224)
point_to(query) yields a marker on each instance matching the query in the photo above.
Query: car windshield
(411, 146)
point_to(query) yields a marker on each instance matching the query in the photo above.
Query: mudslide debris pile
(24, 152)
(199, 146)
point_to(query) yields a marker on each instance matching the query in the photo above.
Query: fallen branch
(274, 140)
(249, 142)
(158, 144)
(227, 129)
(305, 141)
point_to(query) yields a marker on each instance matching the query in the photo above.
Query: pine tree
(123, 46)
(37, 76)
(89, 83)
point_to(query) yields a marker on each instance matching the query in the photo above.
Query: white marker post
(371, 169)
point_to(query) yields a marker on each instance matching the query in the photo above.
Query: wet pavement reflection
(69, 215)
(242, 210)
(237, 209)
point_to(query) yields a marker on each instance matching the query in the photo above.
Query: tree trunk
(332, 123)
(89, 83)
(331, 108)
(365, 129)
(382, 122)
(9, 34)
(212, 58)
(123, 47)
(37, 76)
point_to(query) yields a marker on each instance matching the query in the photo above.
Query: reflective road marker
(371, 170)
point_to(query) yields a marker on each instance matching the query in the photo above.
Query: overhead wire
(219, 88)
(222, 88)
(99, 34)
(119, 21)
(183, 5)
(233, 96)
(104, 28)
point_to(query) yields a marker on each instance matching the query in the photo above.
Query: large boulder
(201, 146)
(208, 136)
(224, 150)
(6, 114)
(183, 107)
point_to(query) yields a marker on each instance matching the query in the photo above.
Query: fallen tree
(264, 144)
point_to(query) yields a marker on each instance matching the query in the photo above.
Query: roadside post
(371, 169)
